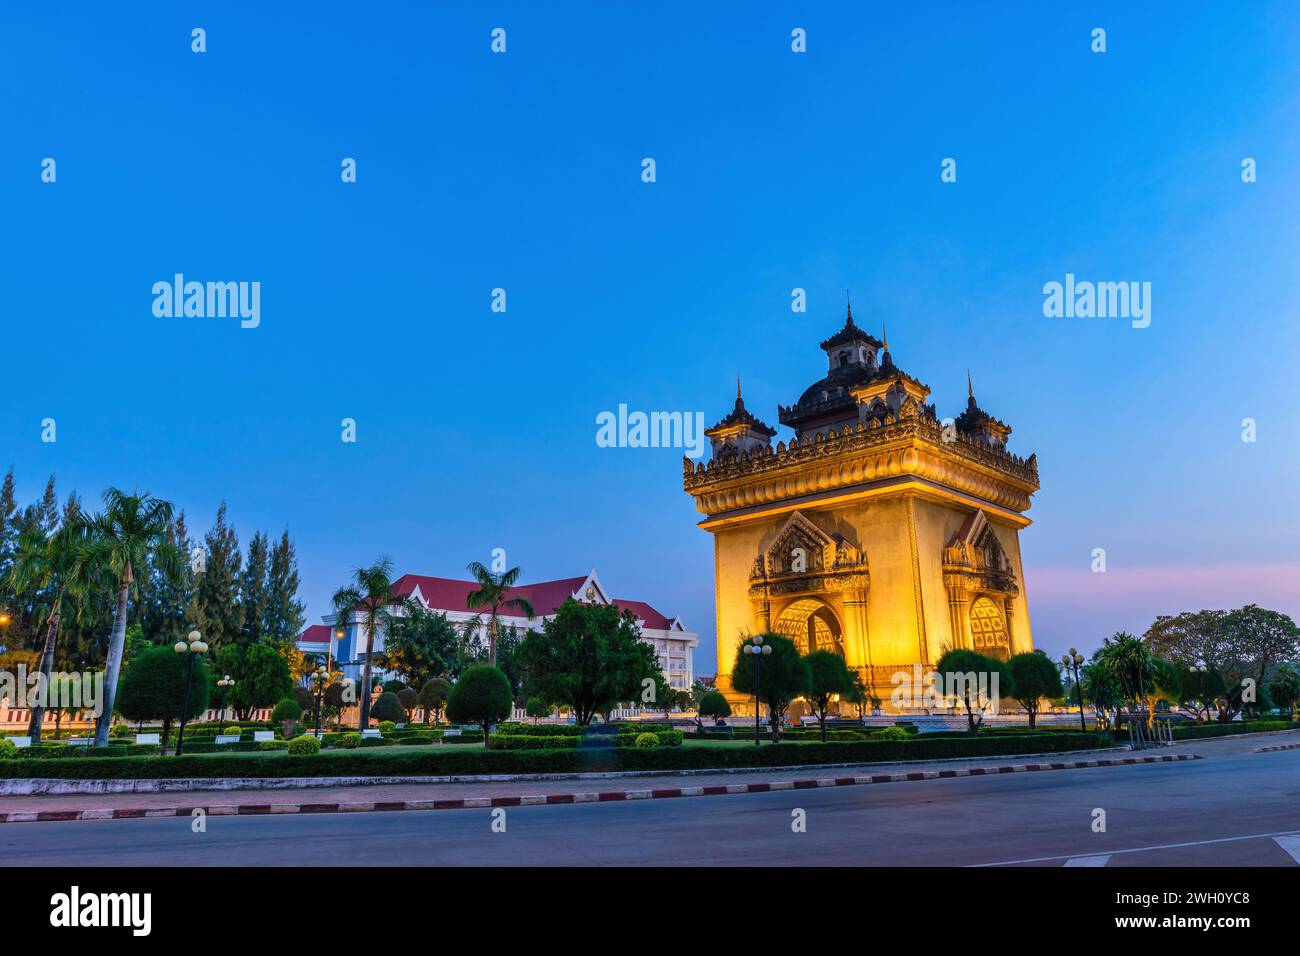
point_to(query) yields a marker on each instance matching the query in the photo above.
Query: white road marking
(1087, 860)
(1295, 834)
(1291, 844)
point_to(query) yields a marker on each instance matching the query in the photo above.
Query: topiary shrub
(8, 749)
(647, 740)
(713, 704)
(286, 709)
(481, 696)
(387, 726)
(120, 730)
(273, 745)
(303, 746)
(233, 730)
(350, 741)
(409, 699)
(891, 733)
(388, 707)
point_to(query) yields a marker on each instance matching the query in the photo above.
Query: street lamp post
(320, 676)
(225, 684)
(1072, 662)
(759, 650)
(194, 646)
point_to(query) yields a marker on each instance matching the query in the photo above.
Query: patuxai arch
(878, 530)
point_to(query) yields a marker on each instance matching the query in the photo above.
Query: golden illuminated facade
(879, 531)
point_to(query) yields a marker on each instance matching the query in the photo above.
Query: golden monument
(880, 531)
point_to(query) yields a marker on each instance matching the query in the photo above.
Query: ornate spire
(886, 360)
(970, 389)
(851, 332)
(740, 415)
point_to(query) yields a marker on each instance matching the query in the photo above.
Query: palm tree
(1129, 661)
(50, 564)
(124, 538)
(492, 595)
(371, 592)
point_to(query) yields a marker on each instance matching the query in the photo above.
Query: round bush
(647, 740)
(120, 730)
(892, 733)
(233, 730)
(304, 746)
(287, 709)
(8, 750)
(387, 726)
(388, 707)
(350, 741)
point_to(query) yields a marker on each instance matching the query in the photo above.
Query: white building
(345, 642)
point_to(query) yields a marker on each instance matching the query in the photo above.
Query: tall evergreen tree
(285, 614)
(214, 608)
(9, 637)
(253, 590)
(45, 513)
(24, 602)
(163, 611)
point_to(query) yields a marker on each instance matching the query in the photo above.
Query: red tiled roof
(448, 594)
(316, 634)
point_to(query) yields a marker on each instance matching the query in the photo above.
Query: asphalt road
(1235, 810)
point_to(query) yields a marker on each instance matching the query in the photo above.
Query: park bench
(145, 739)
(79, 741)
(227, 738)
(21, 742)
(370, 732)
(263, 736)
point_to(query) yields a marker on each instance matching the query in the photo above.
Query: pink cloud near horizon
(1167, 588)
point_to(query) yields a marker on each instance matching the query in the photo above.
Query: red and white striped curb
(601, 796)
(1269, 750)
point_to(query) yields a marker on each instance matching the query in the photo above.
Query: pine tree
(8, 541)
(26, 607)
(284, 616)
(163, 608)
(254, 595)
(46, 513)
(71, 507)
(214, 608)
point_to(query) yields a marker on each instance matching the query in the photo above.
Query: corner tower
(878, 531)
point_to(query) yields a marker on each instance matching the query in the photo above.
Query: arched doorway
(812, 626)
(988, 629)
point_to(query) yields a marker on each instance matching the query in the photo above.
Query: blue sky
(775, 170)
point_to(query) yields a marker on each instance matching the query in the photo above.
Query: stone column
(762, 608)
(1008, 610)
(959, 616)
(857, 641)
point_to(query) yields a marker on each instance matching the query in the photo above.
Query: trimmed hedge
(64, 752)
(404, 762)
(665, 738)
(1197, 731)
(515, 729)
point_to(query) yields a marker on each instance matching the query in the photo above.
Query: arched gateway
(812, 626)
(871, 471)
